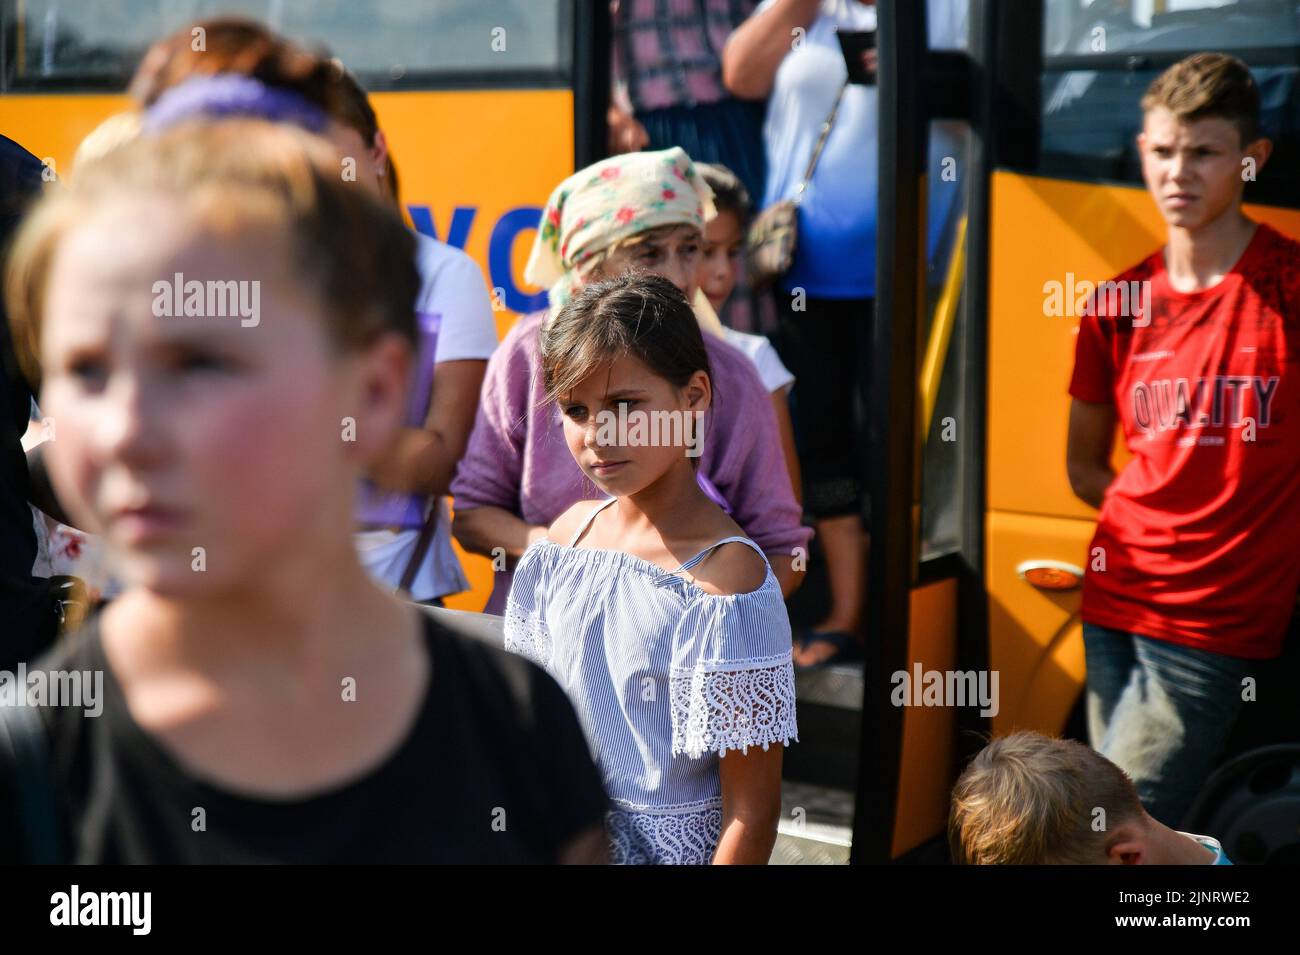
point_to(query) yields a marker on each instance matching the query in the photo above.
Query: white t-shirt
(835, 255)
(759, 350)
(451, 285)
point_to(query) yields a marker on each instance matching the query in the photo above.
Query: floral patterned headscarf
(607, 202)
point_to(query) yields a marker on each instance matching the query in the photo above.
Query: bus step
(838, 685)
(816, 825)
(829, 707)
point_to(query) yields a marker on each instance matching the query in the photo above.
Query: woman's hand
(626, 134)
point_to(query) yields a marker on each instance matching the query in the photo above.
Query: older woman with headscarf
(635, 211)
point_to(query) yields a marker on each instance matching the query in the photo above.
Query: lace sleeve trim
(526, 634)
(736, 705)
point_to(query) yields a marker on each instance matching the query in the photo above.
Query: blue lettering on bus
(500, 245)
(461, 219)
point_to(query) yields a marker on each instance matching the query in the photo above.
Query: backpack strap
(26, 763)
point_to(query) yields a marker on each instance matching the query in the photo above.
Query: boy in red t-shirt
(1193, 570)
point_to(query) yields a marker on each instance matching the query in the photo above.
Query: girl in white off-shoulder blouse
(680, 671)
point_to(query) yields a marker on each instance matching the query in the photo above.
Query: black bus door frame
(993, 86)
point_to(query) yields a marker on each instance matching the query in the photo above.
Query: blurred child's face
(180, 433)
(724, 242)
(657, 433)
(673, 253)
(1195, 170)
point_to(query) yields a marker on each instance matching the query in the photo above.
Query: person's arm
(486, 489)
(1088, 447)
(751, 805)
(480, 530)
(742, 705)
(756, 48)
(589, 848)
(781, 404)
(423, 460)
(626, 133)
(752, 474)
(784, 572)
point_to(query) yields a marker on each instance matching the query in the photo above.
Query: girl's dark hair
(729, 193)
(638, 314)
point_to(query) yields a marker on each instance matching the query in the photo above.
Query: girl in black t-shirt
(224, 326)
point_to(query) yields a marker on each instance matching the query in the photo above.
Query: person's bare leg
(845, 547)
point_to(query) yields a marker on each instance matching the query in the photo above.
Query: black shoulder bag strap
(427, 529)
(26, 763)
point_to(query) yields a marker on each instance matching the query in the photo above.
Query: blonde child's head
(220, 329)
(1028, 799)
(117, 130)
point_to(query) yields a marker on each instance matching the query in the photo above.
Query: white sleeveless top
(665, 679)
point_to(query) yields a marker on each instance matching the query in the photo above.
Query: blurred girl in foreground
(251, 668)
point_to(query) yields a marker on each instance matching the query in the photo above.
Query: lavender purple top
(517, 459)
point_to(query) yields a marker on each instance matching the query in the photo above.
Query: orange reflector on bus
(1051, 574)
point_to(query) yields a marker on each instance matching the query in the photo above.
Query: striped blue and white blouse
(665, 677)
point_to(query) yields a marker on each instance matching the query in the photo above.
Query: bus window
(944, 465)
(1100, 58)
(1085, 26)
(390, 44)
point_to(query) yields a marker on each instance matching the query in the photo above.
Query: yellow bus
(1013, 154)
(978, 543)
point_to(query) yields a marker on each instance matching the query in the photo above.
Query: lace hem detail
(526, 635)
(733, 705)
(664, 838)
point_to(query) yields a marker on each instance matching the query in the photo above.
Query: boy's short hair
(1029, 799)
(729, 193)
(1205, 86)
